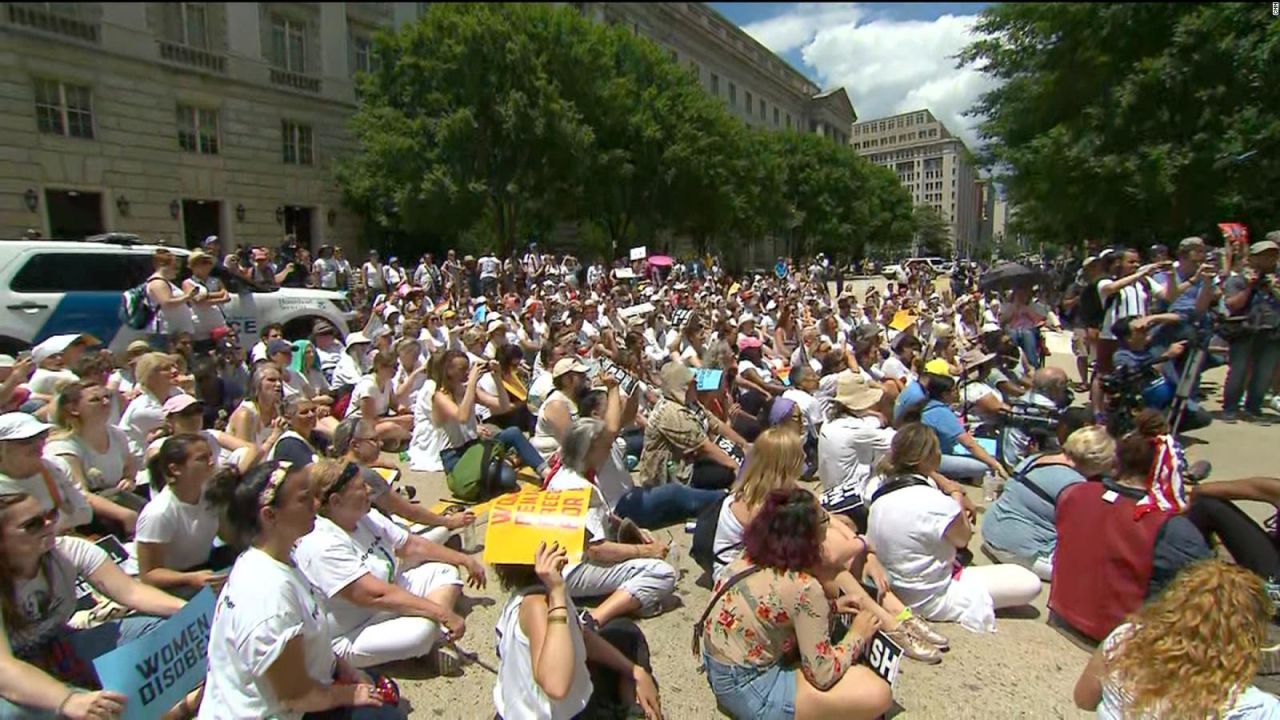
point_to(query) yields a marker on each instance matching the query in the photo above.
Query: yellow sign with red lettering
(519, 521)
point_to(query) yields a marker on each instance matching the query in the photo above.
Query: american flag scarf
(1165, 490)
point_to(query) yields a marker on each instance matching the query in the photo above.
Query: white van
(54, 287)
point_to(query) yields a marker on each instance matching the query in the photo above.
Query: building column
(333, 39)
(244, 37)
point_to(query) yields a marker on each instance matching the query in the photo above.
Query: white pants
(648, 580)
(1041, 566)
(388, 637)
(1008, 585)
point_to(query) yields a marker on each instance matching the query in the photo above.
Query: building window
(288, 44)
(194, 25)
(775, 117)
(64, 109)
(762, 110)
(364, 53)
(298, 147)
(715, 84)
(733, 94)
(748, 103)
(198, 130)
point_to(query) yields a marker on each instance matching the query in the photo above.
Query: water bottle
(990, 487)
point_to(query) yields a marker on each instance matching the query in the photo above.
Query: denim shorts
(749, 692)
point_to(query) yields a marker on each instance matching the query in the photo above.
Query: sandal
(914, 646)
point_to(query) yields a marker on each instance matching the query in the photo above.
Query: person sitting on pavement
(44, 663)
(270, 649)
(677, 438)
(48, 480)
(378, 611)
(1019, 528)
(1050, 393)
(560, 408)
(916, 531)
(177, 528)
(773, 603)
(634, 575)
(855, 437)
(1192, 652)
(550, 666)
(935, 413)
(374, 398)
(1133, 354)
(157, 376)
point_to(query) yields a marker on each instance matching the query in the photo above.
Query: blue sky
(890, 57)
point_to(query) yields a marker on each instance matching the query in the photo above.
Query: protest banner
(1235, 233)
(641, 309)
(734, 451)
(708, 380)
(883, 656)
(626, 381)
(624, 274)
(519, 521)
(902, 320)
(680, 317)
(155, 671)
(639, 253)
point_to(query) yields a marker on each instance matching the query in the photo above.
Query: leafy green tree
(932, 234)
(1132, 122)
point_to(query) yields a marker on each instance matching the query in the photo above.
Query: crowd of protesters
(816, 437)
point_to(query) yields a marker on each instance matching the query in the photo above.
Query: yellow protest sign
(519, 521)
(902, 320)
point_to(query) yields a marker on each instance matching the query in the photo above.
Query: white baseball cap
(21, 426)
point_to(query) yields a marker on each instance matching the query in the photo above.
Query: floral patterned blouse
(771, 616)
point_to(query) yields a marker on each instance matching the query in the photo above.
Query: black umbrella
(1009, 275)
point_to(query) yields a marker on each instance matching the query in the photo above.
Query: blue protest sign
(155, 671)
(708, 380)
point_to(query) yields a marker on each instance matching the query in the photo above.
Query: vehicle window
(80, 272)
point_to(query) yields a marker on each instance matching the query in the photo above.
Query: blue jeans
(512, 438)
(1253, 363)
(962, 467)
(747, 692)
(664, 505)
(88, 645)
(1029, 340)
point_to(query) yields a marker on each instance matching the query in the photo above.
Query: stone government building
(181, 120)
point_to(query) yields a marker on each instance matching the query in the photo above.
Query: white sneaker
(1275, 403)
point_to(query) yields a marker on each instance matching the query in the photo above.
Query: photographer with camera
(1255, 351)
(1049, 394)
(1159, 383)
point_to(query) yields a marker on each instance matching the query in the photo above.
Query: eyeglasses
(98, 399)
(39, 522)
(348, 472)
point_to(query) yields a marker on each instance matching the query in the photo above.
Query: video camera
(1122, 390)
(1031, 419)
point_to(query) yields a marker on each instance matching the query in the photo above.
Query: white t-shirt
(368, 388)
(848, 450)
(414, 389)
(727, 545)
(326, 271)
(205, 317)
(45, 382)
(374, 277)
(48, 600)
(808, 404)
(263, 606)
(109, 465)
(893, 369)
(1250, 704)
(1129, 301)
(74, 506)
(906, 528)
(488, 266)
(188, 530)
(331, 559)
(541, 387)
(516, 694)
(143, 415)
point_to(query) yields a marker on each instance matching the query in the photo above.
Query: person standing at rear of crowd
(326, 269)
(172, 311)
(1255, 354)
(207, 298)
(375, 279)
(488, 266)
(1128, 294)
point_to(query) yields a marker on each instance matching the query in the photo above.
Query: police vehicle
(54, 287)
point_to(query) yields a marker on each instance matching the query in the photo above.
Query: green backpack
(477, 474)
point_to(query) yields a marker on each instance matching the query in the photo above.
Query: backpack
(702, 548)
(136, 309)
(476, 476)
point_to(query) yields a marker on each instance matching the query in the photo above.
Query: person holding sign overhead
(44, 663)
(270, 652)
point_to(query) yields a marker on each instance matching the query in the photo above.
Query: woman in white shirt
(171, 303)
(270, 652)
(258, 415)
(916, 530)
(372, 400)
(177, 527)
(22, 461)
(1190, 652)
(543, 650)
(379, 612)
(411, 372)
(157, 375)
(97, 454)
(207, 296)
(560, 408)
(44, 663)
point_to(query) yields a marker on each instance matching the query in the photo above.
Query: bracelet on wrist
(557, 607)
(63, 705)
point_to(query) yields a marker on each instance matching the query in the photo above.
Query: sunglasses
(39, 522)
(348, 473)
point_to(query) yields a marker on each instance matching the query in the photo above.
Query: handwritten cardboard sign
(519, 521)
(641, 309)
(159, 668)
(639, 253)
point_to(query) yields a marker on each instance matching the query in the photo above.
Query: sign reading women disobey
(519, 521)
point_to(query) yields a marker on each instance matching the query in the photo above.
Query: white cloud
(785, 33)
(888, 66)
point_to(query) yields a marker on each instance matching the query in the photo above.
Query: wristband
(558, 620)
(62, 705)
(558, 607)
